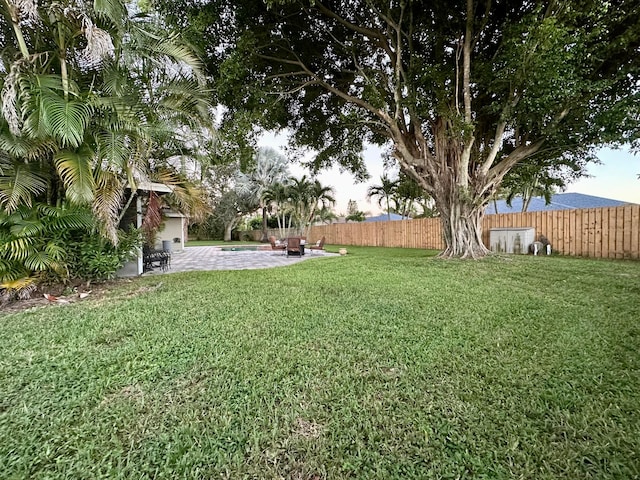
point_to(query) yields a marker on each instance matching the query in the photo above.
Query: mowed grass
(384, 364)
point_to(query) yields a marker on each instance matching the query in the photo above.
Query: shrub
(92, 257)
(33, 242)
(57, 243)
(255, 223)
(272, 222)
(210, 229)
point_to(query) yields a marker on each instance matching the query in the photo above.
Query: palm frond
(186, 97)
(25, 147)
(71, 219)
(189, 199)
(19, 183)
(27, 228)
(41, 104)
(53, 82)
(18, 249)
(65, 120)
(112, 149)
(37, 260)
(123, 114)
(107, 203)
(114, 82)
(153, 216)
(55, 251)
(16, 282)
(113, 11)
(42, 210)
(76, 173)
(159, 49)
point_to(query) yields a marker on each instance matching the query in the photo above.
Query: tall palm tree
(279, 198)
(384, 191)
(270, 169)
(305, 197)
(300, 198)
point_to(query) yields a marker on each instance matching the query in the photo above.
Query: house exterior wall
(173, 228)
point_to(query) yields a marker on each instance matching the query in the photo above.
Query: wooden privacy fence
(612, 232)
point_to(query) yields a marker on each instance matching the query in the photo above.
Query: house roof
(385, 218)
(559, 201)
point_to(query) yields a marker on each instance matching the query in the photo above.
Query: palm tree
(321, 198)
(300, 191)
(384, 191)
(325, 215)
(354, 214)
(307, 196)
(270, 169)
(530, 180)
(405, 195)
(278, 197)
(92, 116)
(529, 189)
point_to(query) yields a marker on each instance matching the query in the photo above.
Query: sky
(616, 177)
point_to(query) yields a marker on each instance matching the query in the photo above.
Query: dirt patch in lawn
(58, 294)
(307, 429)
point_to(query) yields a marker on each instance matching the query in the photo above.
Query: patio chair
(318, 246)
(277, 246)
(152, 258)
(293, 246)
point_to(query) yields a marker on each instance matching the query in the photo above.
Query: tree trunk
(265, 237)
(17, 30)
(227, 231)
(461, 225)
(281, 226)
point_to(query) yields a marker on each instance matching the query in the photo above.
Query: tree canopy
(464, 90)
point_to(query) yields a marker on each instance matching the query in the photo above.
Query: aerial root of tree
(462, 231)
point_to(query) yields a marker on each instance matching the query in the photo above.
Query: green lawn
(385, 364)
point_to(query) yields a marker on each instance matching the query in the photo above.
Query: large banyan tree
(463, 90)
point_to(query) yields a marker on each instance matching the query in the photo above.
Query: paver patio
(214, 258)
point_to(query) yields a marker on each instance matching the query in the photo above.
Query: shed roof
(153, 187)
